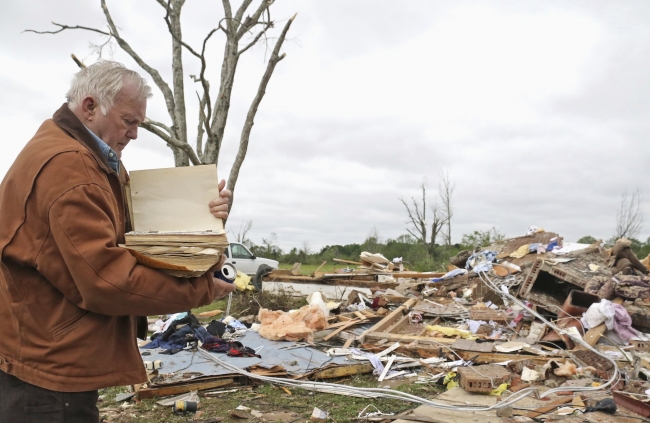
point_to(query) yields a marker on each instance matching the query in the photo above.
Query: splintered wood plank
(470, 345)
(395, 328)
(389, 319)
(391, 359)
(319, 267)
(550, 406)
(345, 322)
(342, 371)
(407, 339)
(347, 261)
(342, 328)
(165, 391)
(348, 342)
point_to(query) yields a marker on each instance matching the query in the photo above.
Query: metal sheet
(296, 361)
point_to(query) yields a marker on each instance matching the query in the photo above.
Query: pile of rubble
(531, 312)
(528, 329)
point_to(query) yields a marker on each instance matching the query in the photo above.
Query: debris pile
(545, 328)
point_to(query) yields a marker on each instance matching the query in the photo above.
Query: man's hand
(222, 288)
(219, 206)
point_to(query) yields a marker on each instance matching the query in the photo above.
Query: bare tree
(373, 241)
(446, 192)
(243, 231)
(269, 243)
(629, 217)
(417, 214)
(305, 249)
(213, 111)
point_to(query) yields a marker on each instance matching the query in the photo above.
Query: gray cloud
(374, 96)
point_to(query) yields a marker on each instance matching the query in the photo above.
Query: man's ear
(89, 108)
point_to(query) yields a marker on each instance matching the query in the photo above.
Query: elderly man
(68, 293)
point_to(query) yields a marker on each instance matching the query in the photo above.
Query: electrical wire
(366, 392)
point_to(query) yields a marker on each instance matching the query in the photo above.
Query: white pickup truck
(244, 261)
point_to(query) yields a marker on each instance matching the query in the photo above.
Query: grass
(249, 302)
(308, 269)
(269, 398)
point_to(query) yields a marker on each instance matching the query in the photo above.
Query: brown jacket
(68, 293)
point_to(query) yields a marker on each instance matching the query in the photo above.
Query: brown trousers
(21, 402)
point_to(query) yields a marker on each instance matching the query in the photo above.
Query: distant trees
(587, 240)
(426, 231)
(446, 190)
(629, 217)
(373, 242)
(242, 234)
(481, 238)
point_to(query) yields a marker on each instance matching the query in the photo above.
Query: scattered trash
(318, 415)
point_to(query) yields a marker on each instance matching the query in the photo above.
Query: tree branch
(185, 147)
(159, 124)
(250, 117)
(242, 9)
(158, 80)
(256, 39)
(251, 21)
(64, 27)
(227, 10)
(202, 127)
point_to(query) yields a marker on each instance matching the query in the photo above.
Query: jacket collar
(70, 123)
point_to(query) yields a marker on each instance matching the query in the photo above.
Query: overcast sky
(538, 110)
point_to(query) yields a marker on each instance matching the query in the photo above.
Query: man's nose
(132, 133)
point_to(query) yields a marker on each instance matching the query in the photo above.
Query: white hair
(102, 81)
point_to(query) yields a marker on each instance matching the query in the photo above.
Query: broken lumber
(165, 391)
(389, 319)
(347, 261)
(342, 328)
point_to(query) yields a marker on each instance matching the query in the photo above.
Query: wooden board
(164, 391)
(384, 323)
(342, 371)
(470, 345)
(407, 339)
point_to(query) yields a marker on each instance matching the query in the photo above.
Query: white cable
(504, 293)
(367, 392)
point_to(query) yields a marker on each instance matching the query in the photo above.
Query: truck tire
(263, 270)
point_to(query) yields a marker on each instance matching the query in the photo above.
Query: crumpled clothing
(521, 251)
(481, 262)
(231, 348)
(632, 287)
(614, 316)
(178, 340)
(603, 286)
(161, 326)
(554, 243)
